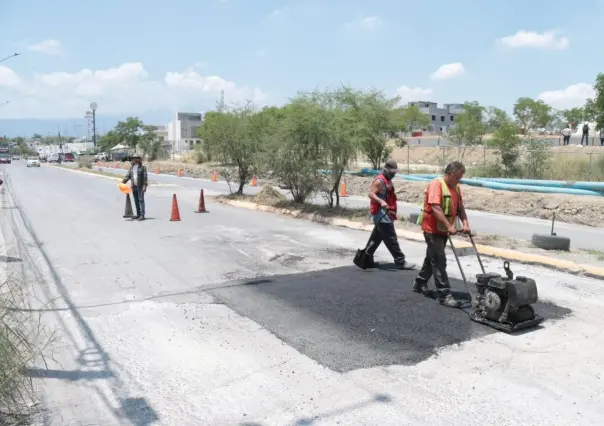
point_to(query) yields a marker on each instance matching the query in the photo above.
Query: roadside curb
(506, 254)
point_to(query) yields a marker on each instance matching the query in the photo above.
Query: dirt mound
(268, 196)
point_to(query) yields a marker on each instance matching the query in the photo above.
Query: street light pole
(93, 107)
(8, 57)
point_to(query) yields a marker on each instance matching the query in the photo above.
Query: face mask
(389, 174)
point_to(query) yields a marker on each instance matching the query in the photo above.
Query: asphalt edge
(490, 251)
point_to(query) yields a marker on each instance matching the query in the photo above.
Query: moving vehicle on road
(33, 162)
(4, 156)
(16, 157)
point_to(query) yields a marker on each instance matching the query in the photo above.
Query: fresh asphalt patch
(345, 318)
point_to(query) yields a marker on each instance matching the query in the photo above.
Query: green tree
(298, 150)
(377, 122)
(574, 116)
(236, 137)
(340, 146)
(595, 106)
(36, 136)
(532, 114)
(506, 140)
(413, 118)
(109, 140)
(130, 131)
(469, 128)
(150, 142)
(496, 118)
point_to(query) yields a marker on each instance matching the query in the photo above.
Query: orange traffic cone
(128, 213)
(254, 182)
(179, 173)
(175, 216)
(214, 176)
(202, 204)
(343, 192)
(157, 171)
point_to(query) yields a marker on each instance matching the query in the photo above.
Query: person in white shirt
(566, 134)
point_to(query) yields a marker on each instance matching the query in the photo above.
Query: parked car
(33, 162)
(16, 157)
(5, 158)
(101, 156)
(68, 157)
(54, 158)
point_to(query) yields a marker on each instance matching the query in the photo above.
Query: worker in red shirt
(443, 205)
(383, 209)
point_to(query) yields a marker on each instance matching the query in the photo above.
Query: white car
(33, 162)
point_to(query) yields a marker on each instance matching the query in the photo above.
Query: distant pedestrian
(137, 175)
(443, 204)
(585, 134)
(602, 136)
(566, 135)
(383, 210)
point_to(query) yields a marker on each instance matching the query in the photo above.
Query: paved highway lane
(582, 237)
(238, 317)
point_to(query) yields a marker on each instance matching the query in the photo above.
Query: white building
(440, 118)
(162, 132)
(182, 131)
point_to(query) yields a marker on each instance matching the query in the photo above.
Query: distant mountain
(75, 126)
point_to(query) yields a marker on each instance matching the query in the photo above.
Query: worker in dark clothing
(585, 134)
(137, 175)
(443, 204)
(383, 209)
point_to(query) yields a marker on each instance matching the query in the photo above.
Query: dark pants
(435, 264)
(602, 141)
(586, 137)
(566, 140)
(385, 232)
(139, 200)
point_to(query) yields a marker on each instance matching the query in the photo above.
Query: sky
(150, 59)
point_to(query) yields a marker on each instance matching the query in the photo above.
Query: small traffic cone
(175, 216)
(128, 213)
(179, 173)
(254, 182)
(202, 204)
(157, 171)
(214, 176)
(343, 192)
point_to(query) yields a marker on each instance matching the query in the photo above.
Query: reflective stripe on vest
(445, 205)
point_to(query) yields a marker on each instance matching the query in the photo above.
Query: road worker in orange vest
(443, 206)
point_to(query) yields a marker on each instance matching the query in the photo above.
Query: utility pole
(93, 107)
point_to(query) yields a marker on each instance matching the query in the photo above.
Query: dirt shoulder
(272, 198)
(583, 210)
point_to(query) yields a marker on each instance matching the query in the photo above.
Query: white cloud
(8, 78)
(573, 96)
(47, 47)
(371, 22)
(547, 40)
(126, 89)
(410, 94)
(448, 71)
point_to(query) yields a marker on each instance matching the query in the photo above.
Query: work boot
(135, 217)
(142, 217)
(448, 301)
(420, 287)
(404, 265)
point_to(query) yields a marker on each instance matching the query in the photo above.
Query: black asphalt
(345, 318)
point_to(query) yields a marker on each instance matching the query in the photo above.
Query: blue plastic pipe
(593, 186)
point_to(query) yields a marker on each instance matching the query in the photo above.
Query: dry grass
(23, 341)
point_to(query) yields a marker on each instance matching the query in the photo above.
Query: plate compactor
(503, 303)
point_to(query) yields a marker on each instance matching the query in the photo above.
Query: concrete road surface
(237, 317)
(582, 237)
